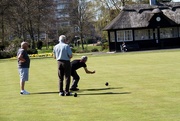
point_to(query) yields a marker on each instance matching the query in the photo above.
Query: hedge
(5, 54)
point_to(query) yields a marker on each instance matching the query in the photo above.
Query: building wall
(63, 14)
(145, 38)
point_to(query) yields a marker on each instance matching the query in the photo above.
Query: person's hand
(21, 61)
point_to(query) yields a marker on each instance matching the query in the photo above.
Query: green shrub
(94, 50)
(82, 51)
(90, 41)
(105, 46)
(11, 48)
(4, 55)
(2, 47)
(39, 45)
(32, 51)
(73, 50)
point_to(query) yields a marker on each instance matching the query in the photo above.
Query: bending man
(75, 65)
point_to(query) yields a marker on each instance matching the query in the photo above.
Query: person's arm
(70, 52)
(70, 56)
(21, 59)
(54, 55)
(88, 72)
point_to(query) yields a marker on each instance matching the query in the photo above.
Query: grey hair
(62, 38)
(84, 58)
(23, 43)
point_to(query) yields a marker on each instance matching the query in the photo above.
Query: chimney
(153, 2)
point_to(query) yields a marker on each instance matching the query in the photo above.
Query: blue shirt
(62, 51)
(25, 64)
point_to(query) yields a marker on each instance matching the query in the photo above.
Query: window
(62, 15)
(120, 36)
(66, 15)
(169, 32)
(60, 6)
(128, 35)
(65, 23)
(124, 35)
(62, 1)
(143, 34)
(112, 37)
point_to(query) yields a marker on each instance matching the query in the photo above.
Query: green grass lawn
(143, 86)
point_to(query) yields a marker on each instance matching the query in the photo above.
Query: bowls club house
(146, 26)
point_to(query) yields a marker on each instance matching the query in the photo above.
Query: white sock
(22, 90)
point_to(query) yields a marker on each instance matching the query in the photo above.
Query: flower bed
(41, 55)
(38, 55)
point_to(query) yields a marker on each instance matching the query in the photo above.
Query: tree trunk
(2, 27)
(31, 34)
(38, 32)
(38, 24)
(82, 43)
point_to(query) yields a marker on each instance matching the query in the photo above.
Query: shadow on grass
(97, 89)
(107, 93)
(44, 93)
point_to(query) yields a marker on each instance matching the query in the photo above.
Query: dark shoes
(65, 94)
(61, 94)
(68, 93)
(74, 89)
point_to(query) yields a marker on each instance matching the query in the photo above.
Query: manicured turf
(143, 86)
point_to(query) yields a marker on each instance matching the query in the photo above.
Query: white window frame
(124, 35)
(169, 32)
(112, 36)
(143, 34)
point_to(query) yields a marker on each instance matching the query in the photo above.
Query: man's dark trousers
(64, 69)
(76, 79)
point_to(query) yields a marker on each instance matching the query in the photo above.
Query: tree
(82, 18)
(4, 8)
(107, 10)
(44, 15)
(31, 18)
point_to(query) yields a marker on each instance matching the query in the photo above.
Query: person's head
(84, 59)
(62, 38)
(24, 45)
